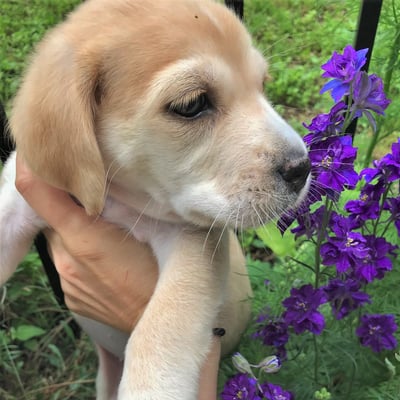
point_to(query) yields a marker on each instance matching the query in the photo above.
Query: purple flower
(332, 163)
(392, 204)
(368, 95)
(309, 223)
(387, 168)
(376, 331)
(342, 68)
(326, 124)
(390, 163)
(345, 296)
(367, 207)
(275, 392)
(344, 251)
(341, 225)
(376, 262)
(271, 330)
(240, 387)
(301, 309)
(274, 333)
(314, 195)
(369, 174)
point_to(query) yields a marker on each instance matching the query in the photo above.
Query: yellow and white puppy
(152, 113)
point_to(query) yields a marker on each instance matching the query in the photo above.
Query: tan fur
(56, 107)
(94, 116)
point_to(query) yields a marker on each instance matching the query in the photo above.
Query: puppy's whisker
(220, 237)
(211, 228)
(131, 230)
(260, 220)
(237, 215)
(110, 179)
(156, 220)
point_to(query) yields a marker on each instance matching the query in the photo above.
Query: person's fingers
(55, 206)
(105, 275)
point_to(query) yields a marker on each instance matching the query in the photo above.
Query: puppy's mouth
(259, 208)
(250, 205)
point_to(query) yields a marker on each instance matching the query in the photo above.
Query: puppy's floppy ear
(53, 121)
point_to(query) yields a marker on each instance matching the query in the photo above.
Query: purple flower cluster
(351, 245)
(241, 387)
(345, 296)
(273, 332)
(332, 164)
(244, 387)
(343, 69)
(376, 331)
(365, 91)
(302, 310)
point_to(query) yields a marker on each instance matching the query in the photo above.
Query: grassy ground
(39, 356)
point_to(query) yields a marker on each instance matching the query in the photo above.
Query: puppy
(152, 114)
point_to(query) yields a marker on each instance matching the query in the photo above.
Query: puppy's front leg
(19, 224)
(165, 352)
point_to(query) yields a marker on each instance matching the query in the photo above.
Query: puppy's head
(162, 99)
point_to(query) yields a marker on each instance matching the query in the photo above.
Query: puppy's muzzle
(295, 173)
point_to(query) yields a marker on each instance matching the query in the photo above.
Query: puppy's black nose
(295, 173)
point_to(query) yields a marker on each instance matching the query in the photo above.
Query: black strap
(6, 145)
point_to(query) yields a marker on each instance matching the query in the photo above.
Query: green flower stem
(377, 222)
(316, 360)
(348, 118)
(321, 237)
(301, 263)
(317, 270)
(372, 144)
(351, 382)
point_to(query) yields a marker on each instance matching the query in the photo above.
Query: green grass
(39, 356)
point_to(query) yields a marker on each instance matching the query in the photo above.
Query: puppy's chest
(137, 223)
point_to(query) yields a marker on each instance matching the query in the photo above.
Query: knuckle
(71, 303)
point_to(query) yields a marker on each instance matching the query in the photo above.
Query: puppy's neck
(143, 204)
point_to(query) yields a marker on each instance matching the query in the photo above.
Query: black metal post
(365, 37)
(237, 6)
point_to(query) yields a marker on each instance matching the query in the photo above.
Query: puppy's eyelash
(191, 106)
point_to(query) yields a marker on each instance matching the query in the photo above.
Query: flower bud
(322, 394)
(241, 364)
(391, 368)
(270, 364)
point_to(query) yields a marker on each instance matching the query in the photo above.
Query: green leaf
(32, 345)
(281, 245)
(27, 332)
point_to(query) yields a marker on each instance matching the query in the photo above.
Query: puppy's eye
(193, 108)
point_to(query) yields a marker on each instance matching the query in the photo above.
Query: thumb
(53, 205)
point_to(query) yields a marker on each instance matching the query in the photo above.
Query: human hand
(209, 372)
(105, 274)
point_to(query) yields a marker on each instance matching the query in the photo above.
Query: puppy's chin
(243, 213)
